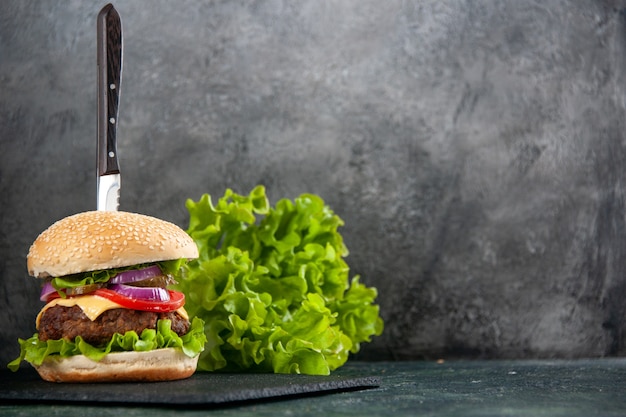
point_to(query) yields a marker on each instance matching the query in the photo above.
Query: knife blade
(109, 51)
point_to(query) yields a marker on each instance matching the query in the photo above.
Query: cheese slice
(92, 306)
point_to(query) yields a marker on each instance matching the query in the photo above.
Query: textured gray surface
(475, 150)
(532, 388)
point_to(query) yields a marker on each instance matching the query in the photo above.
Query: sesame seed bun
(97, 240)
(156, 365)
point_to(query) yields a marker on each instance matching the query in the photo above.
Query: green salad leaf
(272, 285)
(192, 343)
(171, 267)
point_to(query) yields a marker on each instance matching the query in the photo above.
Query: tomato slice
(176, 301)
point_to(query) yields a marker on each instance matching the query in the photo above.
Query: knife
(109, 50)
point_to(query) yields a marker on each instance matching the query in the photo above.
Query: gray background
(475, 150)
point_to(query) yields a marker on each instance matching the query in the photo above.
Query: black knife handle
(109, 82)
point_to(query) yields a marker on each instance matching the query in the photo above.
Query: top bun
(97, 240)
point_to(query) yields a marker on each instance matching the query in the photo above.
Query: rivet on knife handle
(109, 50)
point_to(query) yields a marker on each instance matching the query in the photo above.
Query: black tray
(202, 388)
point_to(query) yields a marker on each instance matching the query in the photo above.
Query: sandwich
(109, 312)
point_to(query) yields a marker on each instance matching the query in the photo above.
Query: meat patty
(68, 322)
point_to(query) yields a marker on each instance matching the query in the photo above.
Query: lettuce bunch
(272, 286)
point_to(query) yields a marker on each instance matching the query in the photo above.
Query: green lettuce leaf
(273, 287)
(102, 276)
(35, 351)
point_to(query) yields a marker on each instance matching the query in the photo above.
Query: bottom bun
(156, 365)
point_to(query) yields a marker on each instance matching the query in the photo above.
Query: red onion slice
(46, 291)
(141, 293)
(136, 275)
